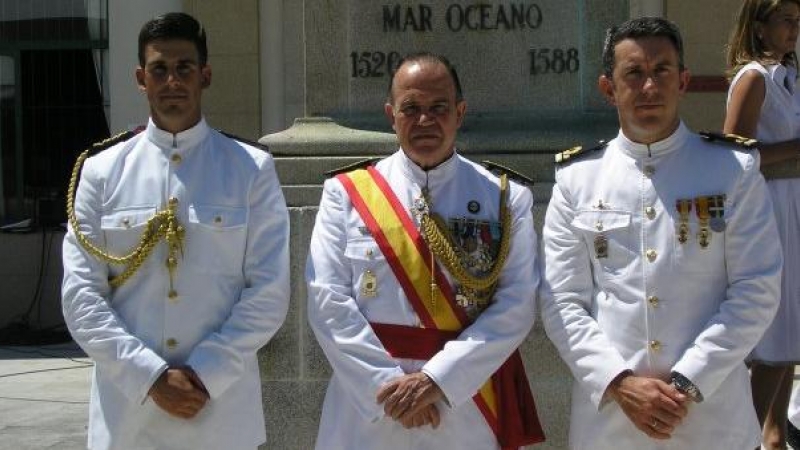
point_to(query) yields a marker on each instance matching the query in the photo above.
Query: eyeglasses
(414, 110)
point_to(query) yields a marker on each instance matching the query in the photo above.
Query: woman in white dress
(763, 103)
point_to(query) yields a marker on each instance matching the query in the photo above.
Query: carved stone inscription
(511, 55)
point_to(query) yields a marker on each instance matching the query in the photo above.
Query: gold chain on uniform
(447, 252)
(164, 224)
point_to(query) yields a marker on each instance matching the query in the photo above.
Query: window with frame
(53, 101)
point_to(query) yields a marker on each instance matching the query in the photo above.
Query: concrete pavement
(44, 397)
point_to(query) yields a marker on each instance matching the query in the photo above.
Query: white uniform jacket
(620, 291)
(232, 284)
(341, 251)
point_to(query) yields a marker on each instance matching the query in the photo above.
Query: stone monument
(529, 70)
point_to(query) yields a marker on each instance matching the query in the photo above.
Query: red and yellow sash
(505, 399)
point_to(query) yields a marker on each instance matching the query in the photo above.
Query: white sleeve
(261, 309)
(464, 365)
(93, 323)
(754, 262)
(566, 295)
(355, 353)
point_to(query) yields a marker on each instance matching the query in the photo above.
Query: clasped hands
(654, 406)
(411, 400)
(179, 392)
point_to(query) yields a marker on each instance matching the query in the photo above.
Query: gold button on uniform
(599, 226)
(650, 212)
(172, 343)
(655, 345)
(126, 222)
(369, 252)
(173, 200)
(218, 219)
(651, 255)
(653, 301)
(176, 158)
(649, 171)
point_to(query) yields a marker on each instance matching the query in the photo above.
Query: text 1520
(373, 64)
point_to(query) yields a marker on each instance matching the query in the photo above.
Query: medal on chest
(703, 217)
(369, 284)
(684, 207)
(472, 250)
(600, 240)
(716, 212)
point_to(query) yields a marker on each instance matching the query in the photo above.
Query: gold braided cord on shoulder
(434, 230)
(163, 225)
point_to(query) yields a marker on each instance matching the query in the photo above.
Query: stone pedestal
(529, 71)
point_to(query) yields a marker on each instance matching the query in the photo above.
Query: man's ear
(606, 87)
(461, 111)
(139, 74)
(388, 110)
(205, 74)
(685, 77)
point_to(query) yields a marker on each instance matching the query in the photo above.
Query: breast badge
(369, 284)
(710, 211)
(716, 210)
(601, 246)
(478, 243)
(684, 208)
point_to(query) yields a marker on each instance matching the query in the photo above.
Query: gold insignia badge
(369, 284)
(601, 246)
(704, 216)
(684, 207)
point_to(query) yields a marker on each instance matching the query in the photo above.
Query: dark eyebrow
(180, 61)
(629, 66)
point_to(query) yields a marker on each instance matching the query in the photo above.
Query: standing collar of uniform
(662, 147)
(184, 140)
(431, 177)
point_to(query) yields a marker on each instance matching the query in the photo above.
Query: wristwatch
(686, 386)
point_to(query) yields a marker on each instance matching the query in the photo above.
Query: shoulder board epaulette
(253, 143)
(353, 166)
(513, 174)
(577, 152)
(98, 147)
(730, 138)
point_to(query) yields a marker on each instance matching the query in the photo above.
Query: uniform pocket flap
(219, 217)
(363, 249)
(601, 220)
(126, 218)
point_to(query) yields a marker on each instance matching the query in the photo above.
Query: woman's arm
(744, 111)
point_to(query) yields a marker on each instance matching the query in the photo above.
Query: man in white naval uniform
(376, 400)
(661, 265)
(174, 331)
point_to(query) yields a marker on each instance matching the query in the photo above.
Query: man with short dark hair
(661, 265)
(421, 278)
(175, 265)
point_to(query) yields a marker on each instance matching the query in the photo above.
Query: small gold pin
(684, 207)
(369, 284)
(601, 246)
(704, 216)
